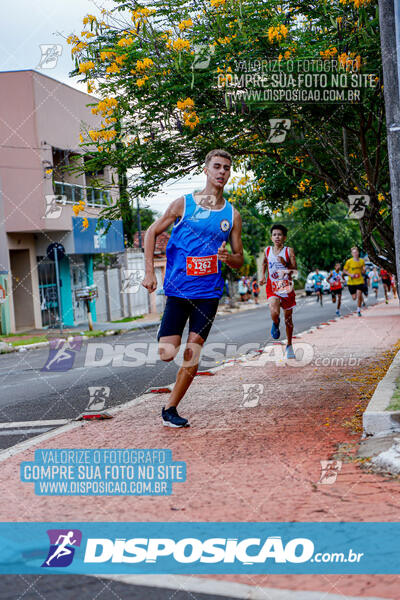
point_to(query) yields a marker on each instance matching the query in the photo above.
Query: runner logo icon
(62, 547)
(62, 354)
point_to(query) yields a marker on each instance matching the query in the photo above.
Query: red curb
(97, 417)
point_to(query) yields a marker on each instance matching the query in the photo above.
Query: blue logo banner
(200, 548)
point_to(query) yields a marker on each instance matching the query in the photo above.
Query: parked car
(309, 286)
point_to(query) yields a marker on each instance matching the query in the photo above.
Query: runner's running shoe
(171, 418)
(275, 330)
(290, 352)
(338, 313)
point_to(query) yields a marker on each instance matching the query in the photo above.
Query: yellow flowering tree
(176, 80)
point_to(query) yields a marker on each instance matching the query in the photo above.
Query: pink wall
(61, 111)
(35, 109)
(20, 166)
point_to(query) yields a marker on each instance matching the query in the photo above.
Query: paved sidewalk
(258, 463)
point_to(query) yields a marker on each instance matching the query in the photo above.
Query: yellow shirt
(355, 267)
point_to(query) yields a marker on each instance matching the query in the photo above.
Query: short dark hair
(355, 248)
(280, 227)
(217, 152)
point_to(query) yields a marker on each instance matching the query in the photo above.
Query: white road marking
(18, 424)
(24, 431)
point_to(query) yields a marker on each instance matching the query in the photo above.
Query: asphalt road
(32, 390)
(70, 587)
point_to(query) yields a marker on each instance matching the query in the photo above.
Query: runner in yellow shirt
(355, 269)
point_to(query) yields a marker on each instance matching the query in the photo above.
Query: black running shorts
(358, 286)
(200, 312)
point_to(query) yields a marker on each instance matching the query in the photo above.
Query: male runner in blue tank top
(203, 223)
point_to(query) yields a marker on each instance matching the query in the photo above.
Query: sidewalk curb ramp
(382, 426)
(376, 419)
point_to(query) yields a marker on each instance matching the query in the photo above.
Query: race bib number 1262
(202, 265)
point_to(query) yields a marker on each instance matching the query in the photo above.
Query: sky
(28, 24)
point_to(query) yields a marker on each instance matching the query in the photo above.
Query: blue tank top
(193, 269)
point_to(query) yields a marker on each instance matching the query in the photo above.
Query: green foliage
(321, 243)
(147, 217)
(169, 113)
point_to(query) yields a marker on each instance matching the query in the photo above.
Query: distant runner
(393, 284)
(255, 289)
(355, 269)
(335, 279)
(242, 289)
(203, 224)
(373, 277)
(280, 262)
(318, 279)
(386, 283)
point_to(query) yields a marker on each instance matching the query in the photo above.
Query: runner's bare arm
(236, 259)
(263, 279)
(292, 264)
(174, 210)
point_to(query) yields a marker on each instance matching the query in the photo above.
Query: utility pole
(138, 223)
(389, 17)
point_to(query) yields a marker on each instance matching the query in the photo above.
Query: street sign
(89, 292)
(60, 250)
(2, 294)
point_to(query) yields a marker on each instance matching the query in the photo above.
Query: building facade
(41, 121)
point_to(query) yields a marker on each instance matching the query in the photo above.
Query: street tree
(292, 90)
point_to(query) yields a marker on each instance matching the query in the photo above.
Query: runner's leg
(274, 308)
(168, 347)
(339, 301)
(385, 289)
(201, 317)
(289, 325)
(188, 369)
(359, 297)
